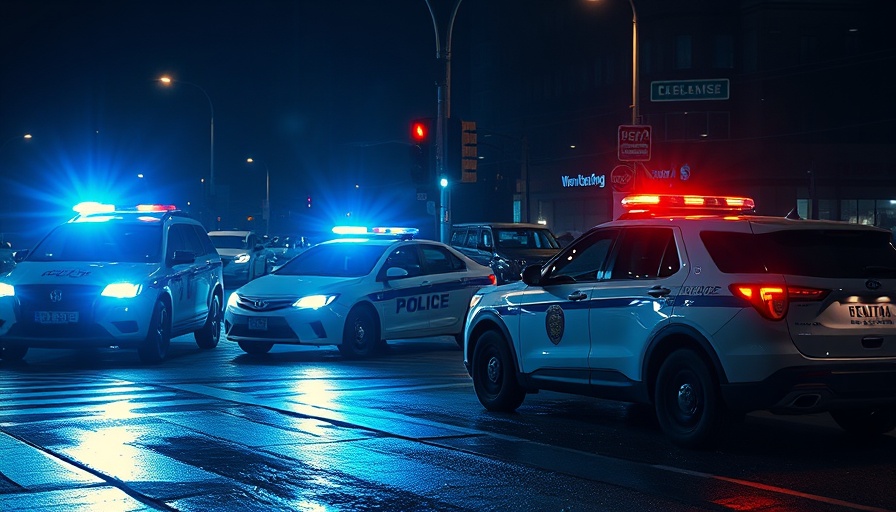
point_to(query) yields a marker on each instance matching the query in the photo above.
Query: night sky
(321, 93)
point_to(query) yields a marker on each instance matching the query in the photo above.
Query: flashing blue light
(443, 182)
(87, 207)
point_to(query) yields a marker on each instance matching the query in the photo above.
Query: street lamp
(17, 137)
(168, 81)
(444, 113)
(266, 207)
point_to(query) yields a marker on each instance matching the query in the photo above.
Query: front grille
(260, 304)
(58, 298)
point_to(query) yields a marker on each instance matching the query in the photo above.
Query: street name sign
(690, 90)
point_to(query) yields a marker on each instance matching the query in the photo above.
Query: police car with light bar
(704, 310)
(356, 292)
(114, 277)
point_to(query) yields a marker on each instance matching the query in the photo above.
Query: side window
(458, 237)
(472, 239)
(204, 241)
(646, 253)
(178, 239)
(437, 260)
(487, 238)
(584, 260)
(406, 258)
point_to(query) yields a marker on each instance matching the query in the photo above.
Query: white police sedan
(356, 293)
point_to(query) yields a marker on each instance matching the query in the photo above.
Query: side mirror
(532, 275)
(393, 272)
(18, 256)
(180, 257)
(259, 247)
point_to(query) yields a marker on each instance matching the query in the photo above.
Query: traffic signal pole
(443, 55)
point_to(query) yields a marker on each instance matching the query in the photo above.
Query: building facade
(784, 101)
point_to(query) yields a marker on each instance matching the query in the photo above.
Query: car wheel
(494, 374)
(866, 421)
(688, 407)
(210, 333)
(360, 336)
(13, 353)
(255, 347)
(155, 347)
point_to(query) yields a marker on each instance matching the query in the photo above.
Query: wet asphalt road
(304, 429)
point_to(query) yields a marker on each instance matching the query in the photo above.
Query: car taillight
(772, 301)
(493, 279)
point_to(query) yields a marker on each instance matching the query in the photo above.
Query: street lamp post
(636, 113)
(443, 54)
(266, 207)
(168, 81)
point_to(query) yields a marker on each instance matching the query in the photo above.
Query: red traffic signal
(420, 129)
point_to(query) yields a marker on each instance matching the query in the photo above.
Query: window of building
(683, 52)
(723, 52)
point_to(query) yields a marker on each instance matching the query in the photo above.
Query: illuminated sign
(689, 90)
(633, 143)
(592, 180)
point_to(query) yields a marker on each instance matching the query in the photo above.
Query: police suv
(695, 306)
(129, 278)
(356, 293)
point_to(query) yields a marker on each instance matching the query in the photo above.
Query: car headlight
(314, 301)
(233, 300)
(7, 290)
(122, 290)
(242, 258)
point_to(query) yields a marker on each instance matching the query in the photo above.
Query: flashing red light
(156, 207)
(651, 202)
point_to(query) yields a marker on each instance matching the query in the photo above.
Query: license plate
(258, 323)
(56, 317)
(871, 314)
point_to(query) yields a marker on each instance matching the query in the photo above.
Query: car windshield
(229, 241)
(336, 259)
(525, 239)
(101, 241)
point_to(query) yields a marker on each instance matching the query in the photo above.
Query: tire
(210, 334)
(255, 347)
(494, 374)
(360, 336)
(13, 353)
(158, 339)
(687, 401)
(866, 421)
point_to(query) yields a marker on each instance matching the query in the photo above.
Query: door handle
(658, 291)
(577, 295)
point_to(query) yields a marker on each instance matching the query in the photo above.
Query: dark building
(785, 101)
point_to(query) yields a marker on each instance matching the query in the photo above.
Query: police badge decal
(554, 323)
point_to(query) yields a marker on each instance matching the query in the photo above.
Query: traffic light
(421, 142)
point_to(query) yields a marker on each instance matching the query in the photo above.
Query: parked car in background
(244, 256)
(507, 248)
(7, 260)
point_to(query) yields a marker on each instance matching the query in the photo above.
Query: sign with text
(633, 143)
(689, 90)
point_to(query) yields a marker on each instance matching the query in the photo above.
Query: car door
(449, 294)
(180, 277)
(404, 307)
(634, 299)
(554, 328)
